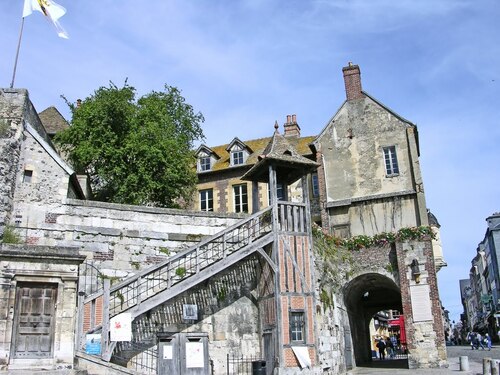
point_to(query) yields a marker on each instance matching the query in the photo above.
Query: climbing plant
(10, 236)
(336, 255)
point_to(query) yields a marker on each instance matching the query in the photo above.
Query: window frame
(208, 201)
(280, 192)
(28, 176)
(240, 198)
(391, 163)
(205, 163)
(297, 331)
(237, 157)
(315, 185)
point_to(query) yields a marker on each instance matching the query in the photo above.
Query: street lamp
(415, 271)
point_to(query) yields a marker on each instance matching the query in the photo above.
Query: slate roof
(52, 121)
(291, 165)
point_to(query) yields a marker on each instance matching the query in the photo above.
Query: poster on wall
(93, 344)
(195, 357)
(421, 303)
(167, 351)
(120, 327)
(190, 312)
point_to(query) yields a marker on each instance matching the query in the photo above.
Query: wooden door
(34, 320)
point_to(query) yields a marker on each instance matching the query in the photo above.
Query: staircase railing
(148, 283)
(185, 269)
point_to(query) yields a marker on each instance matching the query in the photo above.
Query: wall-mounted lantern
(415, 271)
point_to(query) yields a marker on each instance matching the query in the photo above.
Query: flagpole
(17, 54)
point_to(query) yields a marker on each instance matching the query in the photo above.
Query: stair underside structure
(154, 287)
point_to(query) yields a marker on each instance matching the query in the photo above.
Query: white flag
(50, 9)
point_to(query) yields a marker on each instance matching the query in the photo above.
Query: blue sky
(246, 63)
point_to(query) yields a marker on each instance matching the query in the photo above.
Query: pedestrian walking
(487, 341)
(471, 339)
(381, 348)
(394, 342)
(479, 341)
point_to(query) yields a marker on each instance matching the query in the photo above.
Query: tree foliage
(135, 151)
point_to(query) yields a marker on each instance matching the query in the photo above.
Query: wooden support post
(275, 257)
(80, 339)
(197, 259)
(255, 197)
(105, 355)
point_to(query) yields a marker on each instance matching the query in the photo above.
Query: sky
(245, 64)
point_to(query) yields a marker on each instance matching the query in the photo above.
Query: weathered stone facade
(245, 305)
(24, 268)
(357, 146)
(40, 203)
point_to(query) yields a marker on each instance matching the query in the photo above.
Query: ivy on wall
(336, 261)
(360, 242)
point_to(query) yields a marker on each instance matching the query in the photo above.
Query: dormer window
(205, 163)
(237, 158)
(238, 152)
(206, 159)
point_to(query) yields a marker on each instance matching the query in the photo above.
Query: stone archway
(364, 296)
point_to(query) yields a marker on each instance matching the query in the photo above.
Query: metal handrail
(178, 267)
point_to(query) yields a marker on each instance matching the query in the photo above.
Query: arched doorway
(365, 296)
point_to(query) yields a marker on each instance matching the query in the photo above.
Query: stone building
(233, 286)
(480, 293)
(220, 168)
(370, 179)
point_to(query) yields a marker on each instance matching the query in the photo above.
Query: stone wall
(42, 265)
(421, 306)
(12, 106)
(117, 239)
(359, 194)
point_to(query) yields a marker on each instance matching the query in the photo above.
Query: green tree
(135, 151)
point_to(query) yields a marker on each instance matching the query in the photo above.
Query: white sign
(190, 312)
(167, 351)
(195, 357)
(120, 327)
(421, 303)
(302, 354)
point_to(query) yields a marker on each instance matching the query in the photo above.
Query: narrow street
(389, 367)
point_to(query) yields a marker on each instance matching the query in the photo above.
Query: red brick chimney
(352, 81)
(292, 129)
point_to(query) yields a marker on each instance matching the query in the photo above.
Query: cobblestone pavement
(392, 367)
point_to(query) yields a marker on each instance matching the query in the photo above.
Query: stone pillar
(421, 305)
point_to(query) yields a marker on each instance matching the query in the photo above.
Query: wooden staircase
(160, 283)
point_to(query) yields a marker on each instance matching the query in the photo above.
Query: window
(297, 326)
(207, 200)
(280, 192)
(205, 163)
(240, 198)
(391, 161)
(28, 176)
(315, 185)
(237, 158)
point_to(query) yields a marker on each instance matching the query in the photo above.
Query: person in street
(390, 347)
(381, 348)
(394, 345)
(470, 339)
(479, 341)
(487, 341)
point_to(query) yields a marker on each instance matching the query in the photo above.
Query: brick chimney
(292, 129)
(352, 81)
